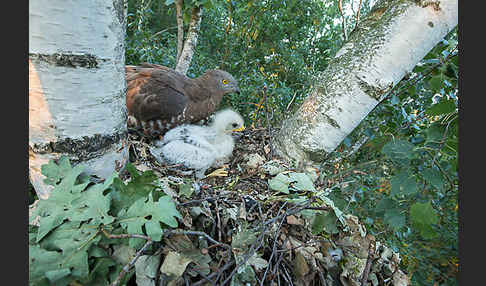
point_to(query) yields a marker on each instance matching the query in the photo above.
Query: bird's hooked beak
(239, 129)
(232, 131)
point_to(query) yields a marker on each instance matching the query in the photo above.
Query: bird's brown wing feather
(165, 104)
(155, 94)
(149, 65)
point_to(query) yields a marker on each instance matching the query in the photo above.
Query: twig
(191, 232)
(161, 31)
(228, 265)
(319, 208)
(275, 238)
(127, 267)
(366, 271)
(291, 101)
(202, 200)
(204, 277)
(275, 269)
(219, 220)
(123, 235)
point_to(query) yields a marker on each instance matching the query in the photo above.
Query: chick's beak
(239, 129)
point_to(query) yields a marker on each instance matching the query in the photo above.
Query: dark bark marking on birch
(375, 92)
(68, 60)
(425, 3)
(332, 122)
(84, 148)
(119, 6)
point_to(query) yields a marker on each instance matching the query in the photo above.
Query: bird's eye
(224, 81)
(235, 125)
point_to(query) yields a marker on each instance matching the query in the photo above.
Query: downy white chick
(200, 147)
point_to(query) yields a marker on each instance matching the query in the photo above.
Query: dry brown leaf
(291, 219)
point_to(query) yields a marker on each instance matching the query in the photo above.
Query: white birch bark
(386, 45)
(77, 85)
(184, 60)
(180, 28)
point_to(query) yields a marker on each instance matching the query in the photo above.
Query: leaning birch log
(387, 44)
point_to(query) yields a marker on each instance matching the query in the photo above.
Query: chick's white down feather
(200, 147)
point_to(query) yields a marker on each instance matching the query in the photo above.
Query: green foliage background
(404, 180)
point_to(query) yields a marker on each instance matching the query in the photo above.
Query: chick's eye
(224, 81)
(235, 125)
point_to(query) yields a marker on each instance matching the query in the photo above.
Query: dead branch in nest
(366, 271)
(130, 264)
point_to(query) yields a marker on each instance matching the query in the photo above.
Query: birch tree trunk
(386, 45)
(180, 28)
(77, 86)
(190, 44)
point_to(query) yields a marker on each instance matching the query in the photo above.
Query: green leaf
(422, 216)
(92, 205)
(442, 107)
(325, 222)
(394, 218)
(55, 172)
(384, 205)
(434, 177)
(67, 202)
(399, 151)
(146, 269)
(435, 133)
(243, 239)
(436, 83)
(151, 214)
(244, 276)
(74, 241)
(186, 190)
(55, 275)
(280, 183)
(58, 206)
(42, 261)
(412, 90)
(139, 187)
(100, 272)
(301, 182)
(403, 183)
(169, 2)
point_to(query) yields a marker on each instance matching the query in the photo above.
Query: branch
(366, 271)
(340, 6)
(180, 28)
(189, 46)
(130, 264)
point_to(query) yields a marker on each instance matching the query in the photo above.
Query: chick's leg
(221, 172)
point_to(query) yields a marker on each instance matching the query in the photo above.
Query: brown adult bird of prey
(159, 98)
